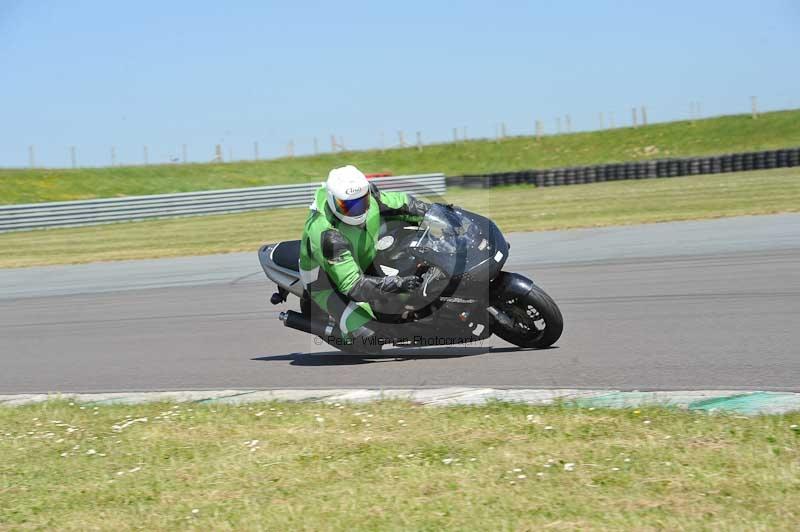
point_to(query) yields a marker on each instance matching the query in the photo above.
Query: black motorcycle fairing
(465, 243)
(444, 326)
(468, 249)
(392, 254)
(446, 231)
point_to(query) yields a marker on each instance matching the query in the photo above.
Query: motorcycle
(465, 295)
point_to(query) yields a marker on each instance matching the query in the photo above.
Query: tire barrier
(659, 168)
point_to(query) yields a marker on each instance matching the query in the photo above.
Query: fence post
(144, 154)
(255, 150)
(754, 106)
(644, 115)
(73, 158)
(633, 117)
(31, 156)
(419, 141)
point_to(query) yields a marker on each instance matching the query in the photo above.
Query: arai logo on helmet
(352, 190)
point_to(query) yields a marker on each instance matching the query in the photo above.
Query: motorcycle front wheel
(537, 319)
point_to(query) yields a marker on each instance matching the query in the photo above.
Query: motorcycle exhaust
(298, 321)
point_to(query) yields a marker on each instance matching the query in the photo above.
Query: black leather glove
(409, 283)
(417, 207)
(370, 288)
(394, 284)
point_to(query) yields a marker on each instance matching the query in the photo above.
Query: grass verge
(393, 465)
(515, 208)
(674, 139)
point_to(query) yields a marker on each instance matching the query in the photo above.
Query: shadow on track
(337, 358)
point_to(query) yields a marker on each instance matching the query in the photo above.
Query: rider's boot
(362, 341)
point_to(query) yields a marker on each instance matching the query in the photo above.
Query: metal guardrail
(131, 208)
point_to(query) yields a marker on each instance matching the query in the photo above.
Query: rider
(339, 244)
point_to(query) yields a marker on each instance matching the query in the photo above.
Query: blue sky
(162, 74)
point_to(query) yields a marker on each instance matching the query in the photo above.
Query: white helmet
(348, 194)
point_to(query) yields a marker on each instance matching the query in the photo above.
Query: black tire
(526, 332)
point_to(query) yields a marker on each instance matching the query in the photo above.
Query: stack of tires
(735, 162)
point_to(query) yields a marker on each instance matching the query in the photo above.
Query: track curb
(741, 402)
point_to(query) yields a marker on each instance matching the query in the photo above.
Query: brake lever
(433, 273)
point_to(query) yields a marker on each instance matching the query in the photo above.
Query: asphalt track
(674, 306)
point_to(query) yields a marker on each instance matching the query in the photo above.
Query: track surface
(686, 305)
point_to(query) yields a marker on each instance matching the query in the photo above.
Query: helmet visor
(352, 207)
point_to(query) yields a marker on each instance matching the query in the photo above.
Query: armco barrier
(735, 162)
(89, 212)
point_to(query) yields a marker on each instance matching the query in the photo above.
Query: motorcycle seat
(287, 255)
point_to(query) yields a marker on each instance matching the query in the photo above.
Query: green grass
(675, 139)
(394, 466)
(516, 208)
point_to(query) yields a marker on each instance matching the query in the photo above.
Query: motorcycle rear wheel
(537, 319)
